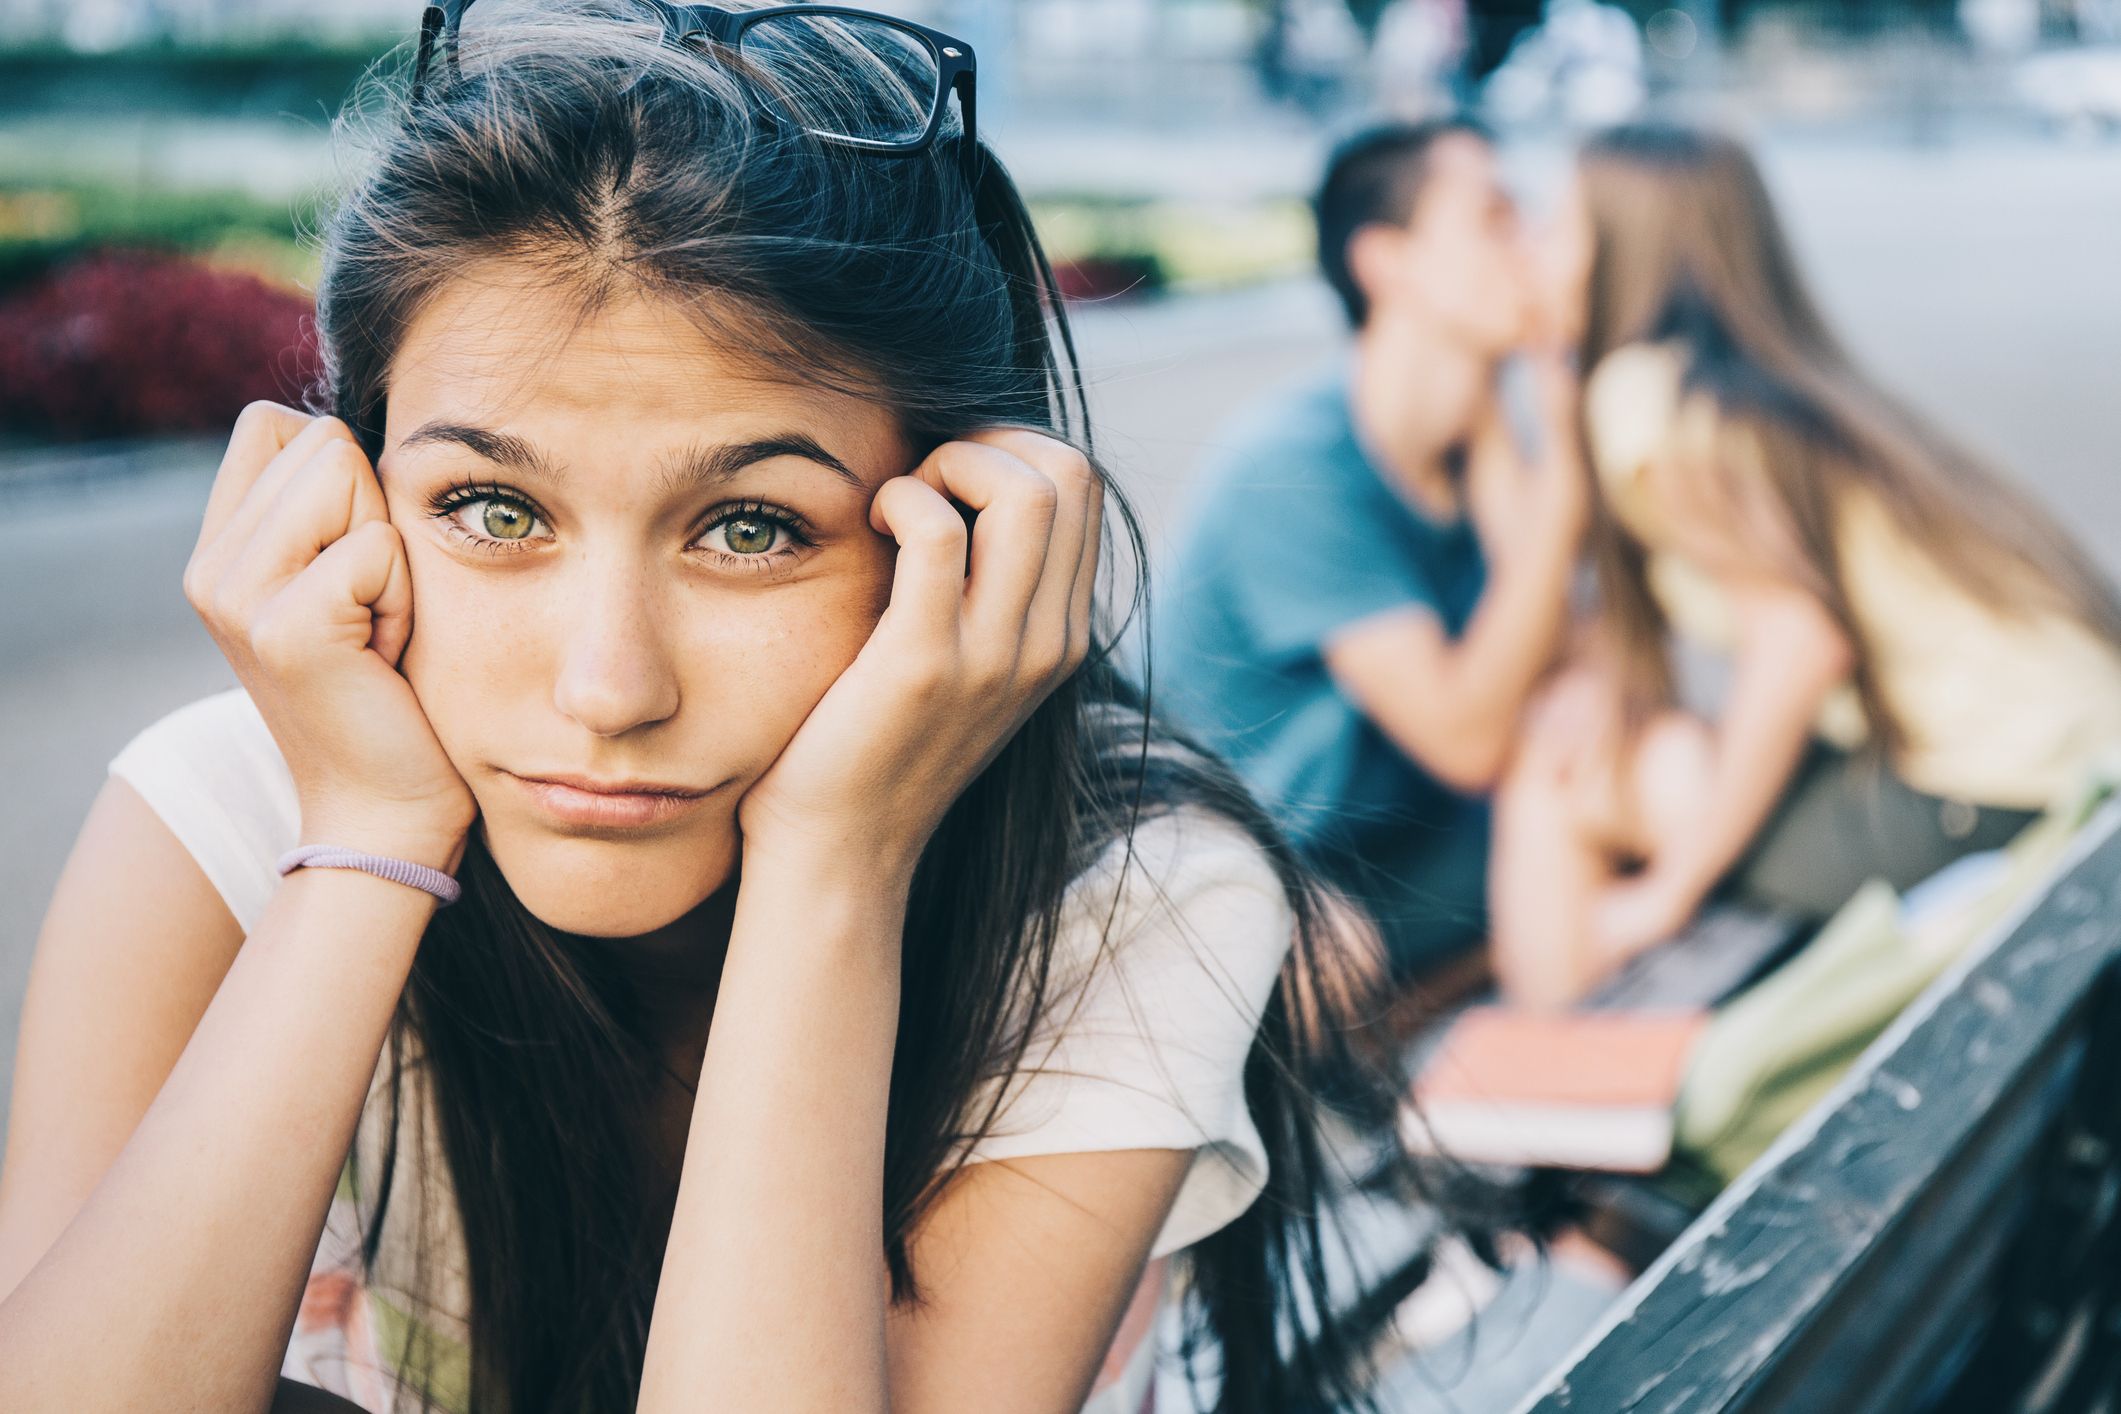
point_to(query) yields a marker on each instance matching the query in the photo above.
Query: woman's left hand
(960, 658)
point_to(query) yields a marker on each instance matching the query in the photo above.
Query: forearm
(1743, 789)
(176, 1284)
(774, 1289)
(1508, 644)
(1758, 743)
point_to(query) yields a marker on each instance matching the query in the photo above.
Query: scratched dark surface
(1844, 1272)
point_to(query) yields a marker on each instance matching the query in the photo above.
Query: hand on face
(958, 661)
(301, 579)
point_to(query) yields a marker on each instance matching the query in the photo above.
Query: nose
(616, 672)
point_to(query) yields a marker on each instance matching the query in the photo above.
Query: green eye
(506, 521)
(749, 535)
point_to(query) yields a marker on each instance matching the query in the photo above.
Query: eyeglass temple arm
(431, 21)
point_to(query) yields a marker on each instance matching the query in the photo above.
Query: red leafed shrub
(136, 343)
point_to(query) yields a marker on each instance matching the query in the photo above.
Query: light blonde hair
(1687, 246)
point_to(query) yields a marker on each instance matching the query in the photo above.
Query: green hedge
(1185, 244)
(42, 225)
(1141, 245)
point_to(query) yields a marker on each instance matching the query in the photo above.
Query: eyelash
(450, 499)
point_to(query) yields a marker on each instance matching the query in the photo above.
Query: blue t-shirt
(1296, 534)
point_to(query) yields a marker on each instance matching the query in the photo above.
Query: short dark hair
(1375, 174)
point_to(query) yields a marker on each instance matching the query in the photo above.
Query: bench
(1941, 1233)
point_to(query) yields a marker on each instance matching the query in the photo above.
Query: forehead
(501, 346)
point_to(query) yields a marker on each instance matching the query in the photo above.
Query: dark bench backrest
(1940, 1233)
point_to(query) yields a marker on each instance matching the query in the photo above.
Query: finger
(261, 430)
(1082, 602)
(1016, 507)
(1049, 628)
(928, 583)
(311, 511)
(259, 501)
(392, 606)
(333, 604)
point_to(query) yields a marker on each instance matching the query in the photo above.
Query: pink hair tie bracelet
(403, 871)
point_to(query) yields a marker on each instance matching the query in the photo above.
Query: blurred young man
(1374, 577)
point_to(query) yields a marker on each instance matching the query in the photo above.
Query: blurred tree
(1492, 26)
(1270, 55)
(1367, 13)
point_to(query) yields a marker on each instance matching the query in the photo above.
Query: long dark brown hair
(1687, 247)
(583, 142)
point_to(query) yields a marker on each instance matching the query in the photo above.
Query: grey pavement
(1978, 279)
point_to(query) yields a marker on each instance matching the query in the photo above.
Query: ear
(1377, 260)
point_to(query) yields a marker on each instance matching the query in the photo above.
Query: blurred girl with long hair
(1919, 658)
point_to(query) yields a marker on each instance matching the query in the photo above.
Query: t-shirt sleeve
(1309, 548)
(1149, 1020)
(212, 771)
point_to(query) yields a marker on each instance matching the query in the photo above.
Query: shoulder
(1285, 443)
(211, 769)
(1190, 893)
(1169, 952)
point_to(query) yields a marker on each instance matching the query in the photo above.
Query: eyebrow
(693, 467)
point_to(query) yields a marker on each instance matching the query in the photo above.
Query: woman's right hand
(302, 581)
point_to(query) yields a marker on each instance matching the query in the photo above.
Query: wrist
(336, 889)
(416, 840)
(868, 879)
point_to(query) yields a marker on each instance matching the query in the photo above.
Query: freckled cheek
(477, 648)
(756, 663)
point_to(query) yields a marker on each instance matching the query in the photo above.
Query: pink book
(1583, 1090)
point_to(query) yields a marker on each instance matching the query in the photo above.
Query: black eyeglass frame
(956, 66)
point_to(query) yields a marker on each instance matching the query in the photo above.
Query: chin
(612, 887)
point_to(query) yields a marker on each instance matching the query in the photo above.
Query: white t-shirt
(1145, 1049)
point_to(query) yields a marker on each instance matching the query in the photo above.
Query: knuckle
(1061, 460)
(1046, 656)
(197, 588)
(337, 457)
(260, 411)
(225, 606)
(333, 426)
(382, 534)
(940, 533)
(1078, 647)
(1070, 461)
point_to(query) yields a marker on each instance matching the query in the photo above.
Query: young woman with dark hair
(772, 959)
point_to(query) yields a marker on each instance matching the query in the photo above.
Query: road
(1980, 280)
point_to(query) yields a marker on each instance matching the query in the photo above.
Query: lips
(586, 783)
(636, 806)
